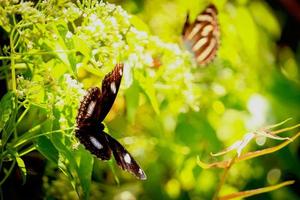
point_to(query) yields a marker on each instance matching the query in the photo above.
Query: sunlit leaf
(260, 10)
(66, 36)
(132, 100)
(6, 109)
(45, 147)
(248, 36)
(81, 46)
(85, 167)
(22, 167)
(148, 88)
(139, 24)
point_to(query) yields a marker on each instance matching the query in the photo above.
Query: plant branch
(249, 193)
(247, 156)
(223, 178)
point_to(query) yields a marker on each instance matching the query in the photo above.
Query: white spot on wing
(121, 72)
(140, 171)
(127, 158)
(91, 108)
(96, 143)
(113, 87)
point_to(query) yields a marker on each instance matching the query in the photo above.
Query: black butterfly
(92, 111)
(202, 36)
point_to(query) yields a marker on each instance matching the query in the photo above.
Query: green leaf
(4, 19)
(22, 167)
(6, 109)
(132, 100)
(69, 45)
(147, 86)
(249, 35)
(139, 24)
(261, 10)
(47, 149)
(150, 92)
(85, 169)
(76, 165)
(81, 46)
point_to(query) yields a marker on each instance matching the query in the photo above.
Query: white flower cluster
(106, 37)
(70, 91)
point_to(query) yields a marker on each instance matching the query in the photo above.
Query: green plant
(50, 45)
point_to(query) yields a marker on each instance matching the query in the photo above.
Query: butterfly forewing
(124, 159)
(89, 110)
(89, 129)
(202, 36)
(110, 88)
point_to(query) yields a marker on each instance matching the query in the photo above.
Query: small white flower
(113, 21)
(69, 34)
(148, 59)
(93, 17)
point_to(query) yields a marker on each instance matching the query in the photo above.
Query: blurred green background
(254, 81)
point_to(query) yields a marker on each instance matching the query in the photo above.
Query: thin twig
(247, 156)
(249, 193)
(223, 178)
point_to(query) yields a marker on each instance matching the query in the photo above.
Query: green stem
(39, 135)
(26, 151)
(12, 60)
(5, 57)
(8, 173)
(23, 115)
(26, 136)
(12, 51)
(46, 52)
(111, 165)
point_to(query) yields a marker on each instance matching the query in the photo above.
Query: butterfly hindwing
(124, 159)
(202, 36)
(95, 141)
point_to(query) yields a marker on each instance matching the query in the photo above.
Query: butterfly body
(90, 130)
(202, 36)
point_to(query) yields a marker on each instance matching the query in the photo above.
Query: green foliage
(165, 114)
(6, 105)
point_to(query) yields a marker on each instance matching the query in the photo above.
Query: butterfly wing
(89, 110)
(110, 88)
(89, 129)
(97, 103)
(202, 36)
(95, 141)
(124, 159)
(93, 109)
